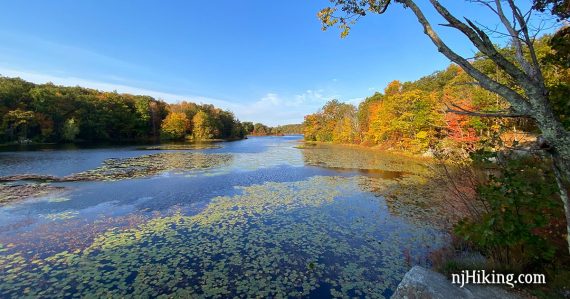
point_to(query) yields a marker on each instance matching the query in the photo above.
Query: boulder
(421, 283)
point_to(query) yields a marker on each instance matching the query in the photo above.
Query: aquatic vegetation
(135, 167)
(12, 192)
(350, 157)
(58, 199)
(149, 165)
(45, 238)
(186, 146)
(60, 216)
(414, 198)
(318, 236)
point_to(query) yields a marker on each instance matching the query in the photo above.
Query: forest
(45, 113)
(259, 129)
(433, 112)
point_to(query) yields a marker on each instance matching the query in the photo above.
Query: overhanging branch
(463, 111)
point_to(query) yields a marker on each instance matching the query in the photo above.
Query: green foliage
(99, 115)
(520, 215)
(556, 58)
(559, 8)
(261, 129)
(50, 113)
(70, 130)
(288, 129)
(247, 127)
(17, 122)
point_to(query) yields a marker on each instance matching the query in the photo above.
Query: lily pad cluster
(186, 146)
(414, 198)
(149, 165)
(295, 239)
(60, 216)
(10, 192)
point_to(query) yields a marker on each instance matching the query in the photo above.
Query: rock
(421, 283)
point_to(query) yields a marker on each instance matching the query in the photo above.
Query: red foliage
(458, 126)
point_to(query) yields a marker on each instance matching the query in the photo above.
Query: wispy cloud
(272, 108)
(70, 53)
(40, 78)
(275, 108)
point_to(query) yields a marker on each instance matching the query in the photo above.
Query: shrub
(520, 221)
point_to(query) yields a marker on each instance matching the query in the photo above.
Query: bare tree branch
(518, 102)
(515, 38)
(485, 45)
(463, 111)
(536, 71)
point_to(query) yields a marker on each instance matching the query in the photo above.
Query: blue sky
(267, 61)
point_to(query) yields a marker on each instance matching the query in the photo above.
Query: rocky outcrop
(421, 283)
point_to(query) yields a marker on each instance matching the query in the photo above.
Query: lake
(261, 217)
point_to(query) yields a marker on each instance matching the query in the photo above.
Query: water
(258, 217)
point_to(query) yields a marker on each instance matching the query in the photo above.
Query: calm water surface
(252, 218)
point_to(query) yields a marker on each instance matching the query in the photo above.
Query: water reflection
(257, 217)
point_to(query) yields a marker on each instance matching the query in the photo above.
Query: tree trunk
(558, 141)
(563, 187)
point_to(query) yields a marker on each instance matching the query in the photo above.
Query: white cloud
(354, 101)
(105, 86)
(275, 109)
(271, 109)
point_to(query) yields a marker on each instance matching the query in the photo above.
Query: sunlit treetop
(559, 8)
(351, 10)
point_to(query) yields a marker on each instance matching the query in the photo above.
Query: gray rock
(421, 283)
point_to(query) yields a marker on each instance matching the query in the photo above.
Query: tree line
(259, 129)
(49, 113)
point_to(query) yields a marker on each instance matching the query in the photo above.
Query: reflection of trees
(347, 157)
(408, 185)
(421, 200)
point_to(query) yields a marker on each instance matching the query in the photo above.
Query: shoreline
(375, 148)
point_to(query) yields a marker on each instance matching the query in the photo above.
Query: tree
(17, 122)
(248, 127)
(70, 130)
(175, 125)
(528, 95)
(260, 129)
(560, 8)
(98, 115)
(203, 126)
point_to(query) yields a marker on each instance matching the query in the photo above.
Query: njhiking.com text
(484, 277)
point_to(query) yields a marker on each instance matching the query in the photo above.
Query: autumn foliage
(416, 116)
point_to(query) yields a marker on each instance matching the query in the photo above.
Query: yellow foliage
(175, 125)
